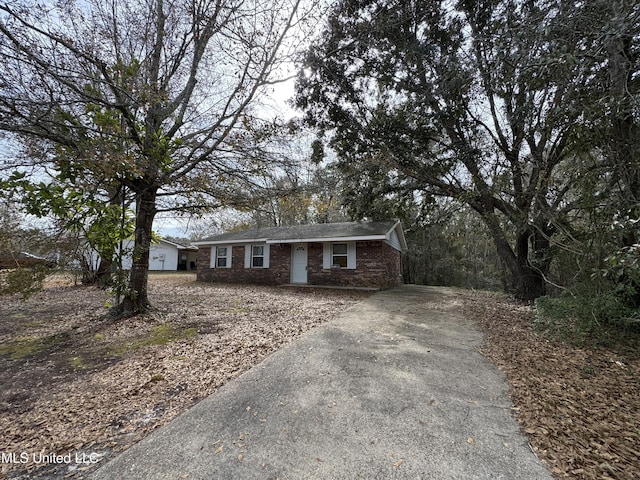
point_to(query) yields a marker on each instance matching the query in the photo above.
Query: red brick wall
(277, 273)
(378, 265)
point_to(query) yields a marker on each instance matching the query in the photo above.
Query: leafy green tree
(475, 101)
(597, 236)
(153, 96)
(620, 53)
(99, 220)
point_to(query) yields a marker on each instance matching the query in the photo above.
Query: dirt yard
(75, 382)
(580, 407)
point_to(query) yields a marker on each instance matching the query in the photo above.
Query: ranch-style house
(350, 254)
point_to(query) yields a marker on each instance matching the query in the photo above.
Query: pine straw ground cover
(580, 407)
(75, 381)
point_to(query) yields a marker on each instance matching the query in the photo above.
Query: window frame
(327, 255)
(254, 257)
(226, 256)
(334, 255)
(249, 255)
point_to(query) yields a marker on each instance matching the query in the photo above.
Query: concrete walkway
(393, 389)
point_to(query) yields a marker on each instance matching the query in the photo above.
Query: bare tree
(154, 95)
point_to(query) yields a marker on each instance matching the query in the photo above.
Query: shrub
(25, 281)
(605, 319)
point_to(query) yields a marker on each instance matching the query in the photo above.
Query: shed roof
(321, 232)
(179, 246)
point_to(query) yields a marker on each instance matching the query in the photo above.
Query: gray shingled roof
(306, 232)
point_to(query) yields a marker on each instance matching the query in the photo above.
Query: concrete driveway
(392, 389)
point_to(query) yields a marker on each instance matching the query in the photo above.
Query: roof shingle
(307, 232)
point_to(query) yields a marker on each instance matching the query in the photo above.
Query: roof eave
(272, 241)
(179, 246)
(381, 237)
(230, 241)
(352, 238)
(400, 232)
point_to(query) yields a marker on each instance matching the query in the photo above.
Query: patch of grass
(165, 333)
(78, 363)
(29, 346)
(34, 324)
(159, 335)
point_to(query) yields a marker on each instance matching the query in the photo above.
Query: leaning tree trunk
(527, 282)
(103, 273)
(136, 299)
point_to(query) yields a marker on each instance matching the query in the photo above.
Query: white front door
(298, 263)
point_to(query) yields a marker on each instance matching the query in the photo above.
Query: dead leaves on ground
(112, 382)
(579, 407)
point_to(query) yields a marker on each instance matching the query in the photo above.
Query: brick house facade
(346, 254)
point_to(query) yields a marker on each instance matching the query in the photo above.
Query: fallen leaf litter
(107, 383)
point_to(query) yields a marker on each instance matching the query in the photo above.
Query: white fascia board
(167, 242)
(329, 239)
(232, 242)
(179, 246)
(173, 244)
(400, 232)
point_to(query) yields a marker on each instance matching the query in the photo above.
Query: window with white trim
(339, 255)
(222, 257)
(257, 256)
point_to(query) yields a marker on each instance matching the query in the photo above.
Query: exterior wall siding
(378, 265)
(157, 262)
(394, 241)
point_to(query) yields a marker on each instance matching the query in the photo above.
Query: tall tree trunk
(527, 282)
(532, 271)
(136, 299)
